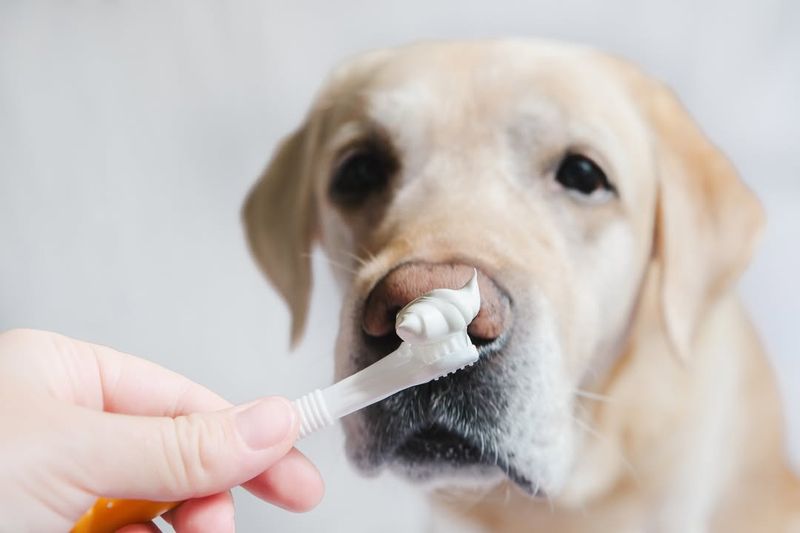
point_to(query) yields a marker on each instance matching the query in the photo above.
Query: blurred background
(130, 133)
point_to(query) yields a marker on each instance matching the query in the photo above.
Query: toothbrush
(435, 343)
(433, 330)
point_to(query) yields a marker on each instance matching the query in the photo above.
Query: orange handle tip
(109, 514)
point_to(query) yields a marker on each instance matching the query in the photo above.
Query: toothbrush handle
(320, 408)
(313, 411)
(391, 374)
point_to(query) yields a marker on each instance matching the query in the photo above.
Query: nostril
(492, 320)
(377, 347)
(379, 319)
(479, 341)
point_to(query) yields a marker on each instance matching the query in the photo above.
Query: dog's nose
(412, 280)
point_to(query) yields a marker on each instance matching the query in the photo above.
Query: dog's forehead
(489, 79)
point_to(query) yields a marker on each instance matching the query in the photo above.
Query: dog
(621, 386)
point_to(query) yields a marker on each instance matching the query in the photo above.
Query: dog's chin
(448, 478)
(438, 458)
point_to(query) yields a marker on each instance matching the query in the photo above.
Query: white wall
(130, 132)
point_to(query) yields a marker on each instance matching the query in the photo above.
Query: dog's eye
(361, 173)
(580, 174)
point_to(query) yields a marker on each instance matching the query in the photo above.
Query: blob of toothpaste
(439, 313)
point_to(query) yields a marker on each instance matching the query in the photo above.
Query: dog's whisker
(496, 454)
(333, 263)
(592, 431)
(466, 497)
(360, 260)
(347, 256)
(474, 496)
(551, 503)
(592, 395)
(368, 253)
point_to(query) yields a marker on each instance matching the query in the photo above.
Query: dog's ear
(280, 223)
(707, 220)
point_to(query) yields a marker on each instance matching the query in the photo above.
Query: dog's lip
(436, 444)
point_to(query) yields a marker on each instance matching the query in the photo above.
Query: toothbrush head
(433, 328)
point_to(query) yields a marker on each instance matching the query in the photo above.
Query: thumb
(162, 458)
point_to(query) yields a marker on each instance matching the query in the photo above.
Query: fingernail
(266, 422)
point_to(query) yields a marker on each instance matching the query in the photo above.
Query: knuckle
(194, 448)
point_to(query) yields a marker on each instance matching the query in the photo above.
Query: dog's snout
(411, 280)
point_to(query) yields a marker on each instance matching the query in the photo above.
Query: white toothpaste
(433, 328)
(439, 313)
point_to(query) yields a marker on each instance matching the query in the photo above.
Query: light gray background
(131, 131)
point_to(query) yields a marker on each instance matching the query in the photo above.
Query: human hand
(79, 421)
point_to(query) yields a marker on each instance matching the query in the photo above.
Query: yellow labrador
(621, 386)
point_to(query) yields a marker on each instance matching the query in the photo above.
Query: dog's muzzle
(454, 423)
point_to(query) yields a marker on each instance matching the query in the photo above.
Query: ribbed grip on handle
(313, 411)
